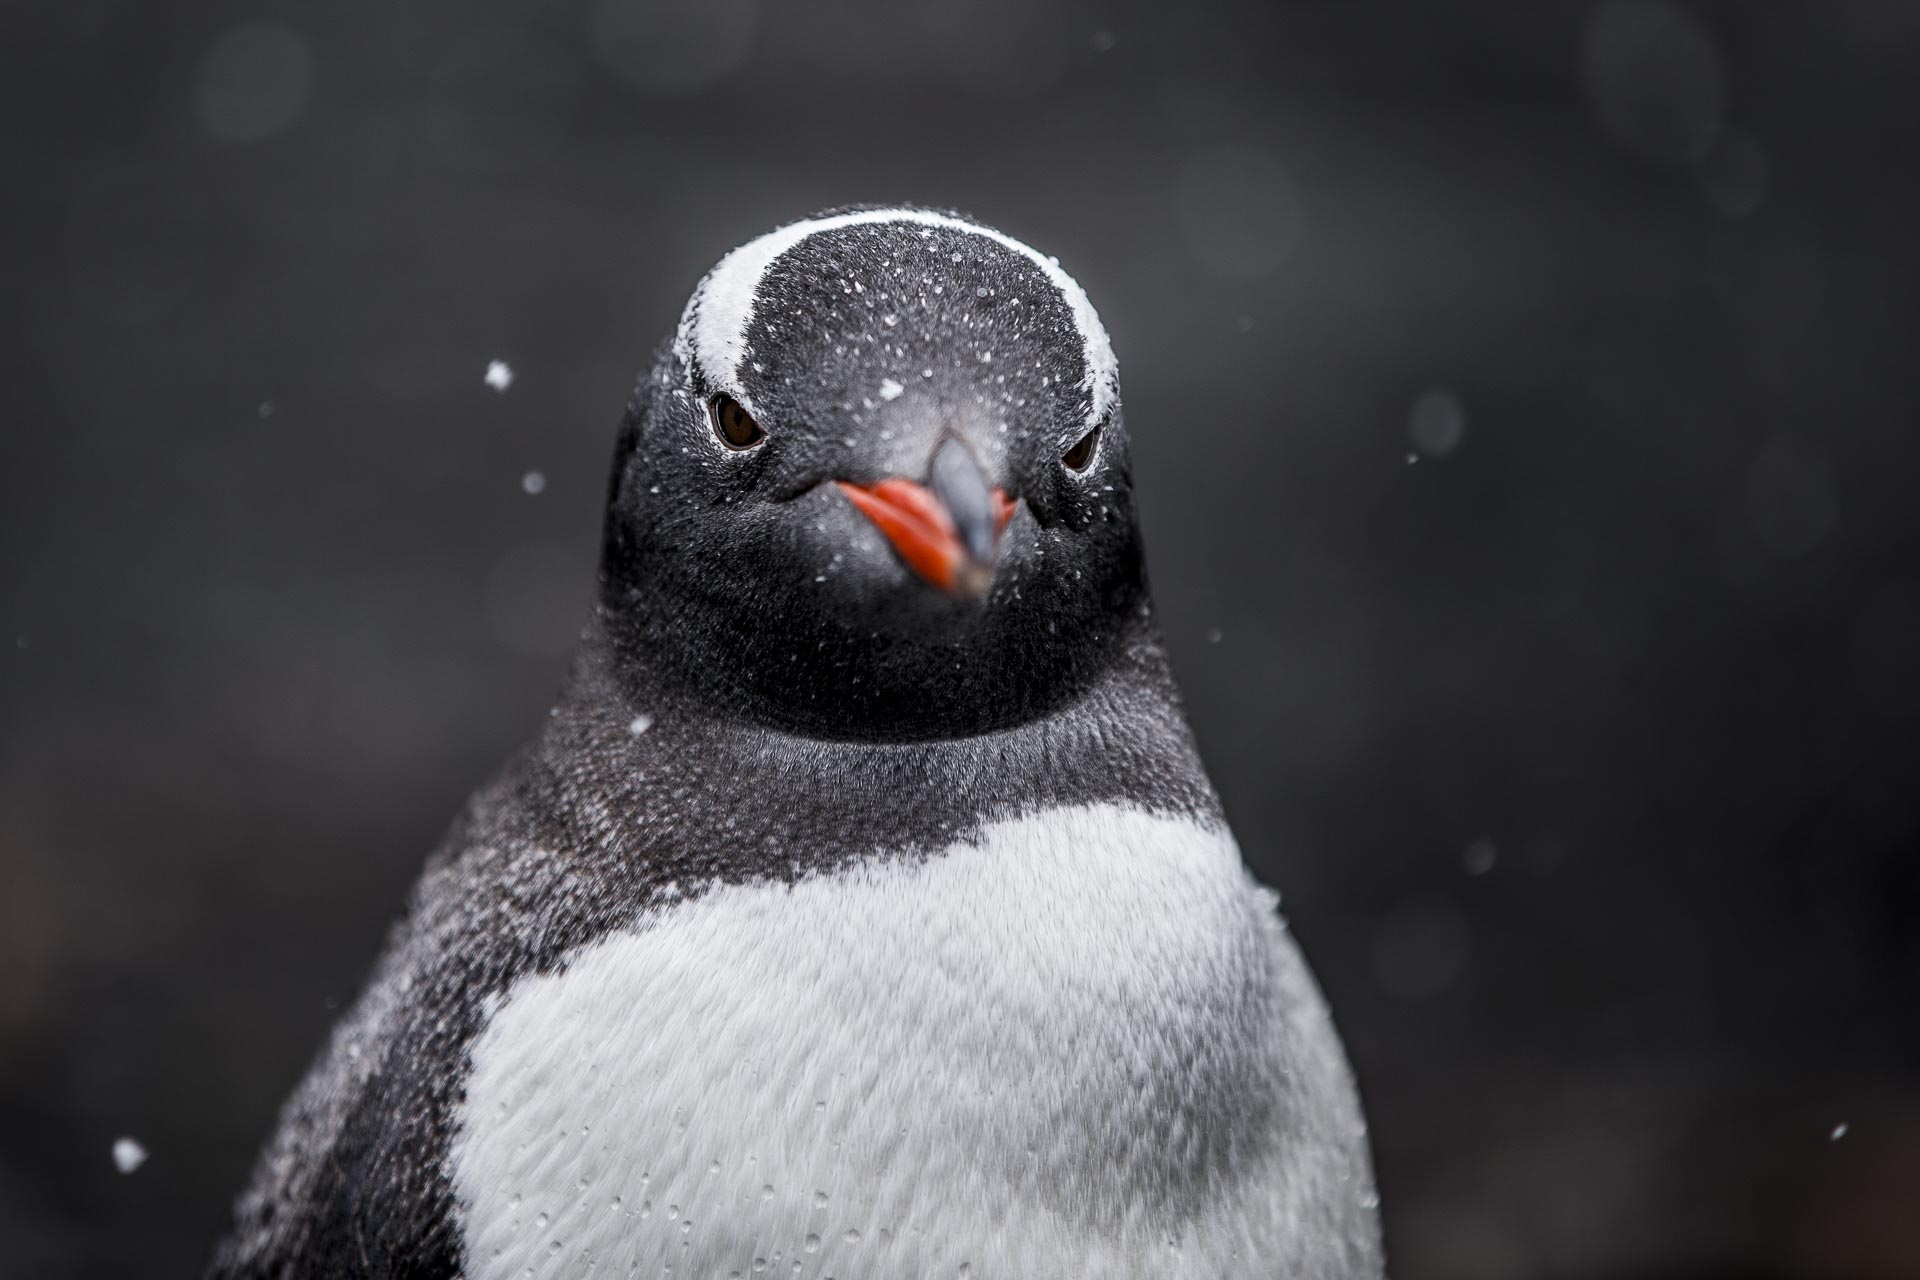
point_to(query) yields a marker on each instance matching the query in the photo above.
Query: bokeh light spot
(254, 82)
(1239, 210)
(1437, 423)
(1653, 80)
(672, 46)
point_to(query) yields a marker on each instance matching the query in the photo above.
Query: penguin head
(877, 486)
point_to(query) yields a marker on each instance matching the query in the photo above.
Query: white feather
(713, 329)
(1023, 1057)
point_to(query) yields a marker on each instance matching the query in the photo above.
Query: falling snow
(1436, 423)
(499, 375)
(128, 1154)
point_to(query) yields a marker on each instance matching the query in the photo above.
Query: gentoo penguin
(863, 910)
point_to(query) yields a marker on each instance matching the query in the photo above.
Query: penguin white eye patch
(712, 335)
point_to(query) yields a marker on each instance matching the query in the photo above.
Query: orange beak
(922, 530)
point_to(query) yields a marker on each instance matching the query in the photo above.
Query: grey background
(1525, 411)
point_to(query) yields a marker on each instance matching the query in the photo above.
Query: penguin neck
(616, 659)
(664, 645)
(778, 796)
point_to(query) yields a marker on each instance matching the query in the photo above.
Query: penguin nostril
(1080, 455)
(733, 424)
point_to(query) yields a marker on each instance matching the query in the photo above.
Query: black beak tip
(957, 479)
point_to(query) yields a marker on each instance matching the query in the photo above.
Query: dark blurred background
(1525, 401)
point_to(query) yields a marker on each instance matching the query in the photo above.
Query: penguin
(864, 909)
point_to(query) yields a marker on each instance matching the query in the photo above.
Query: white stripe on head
(713, 329)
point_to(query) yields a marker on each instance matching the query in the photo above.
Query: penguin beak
(945, 530)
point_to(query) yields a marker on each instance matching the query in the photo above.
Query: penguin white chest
(1043, 1053)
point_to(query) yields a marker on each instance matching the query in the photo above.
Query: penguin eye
(1080, 455)
(734, 425)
